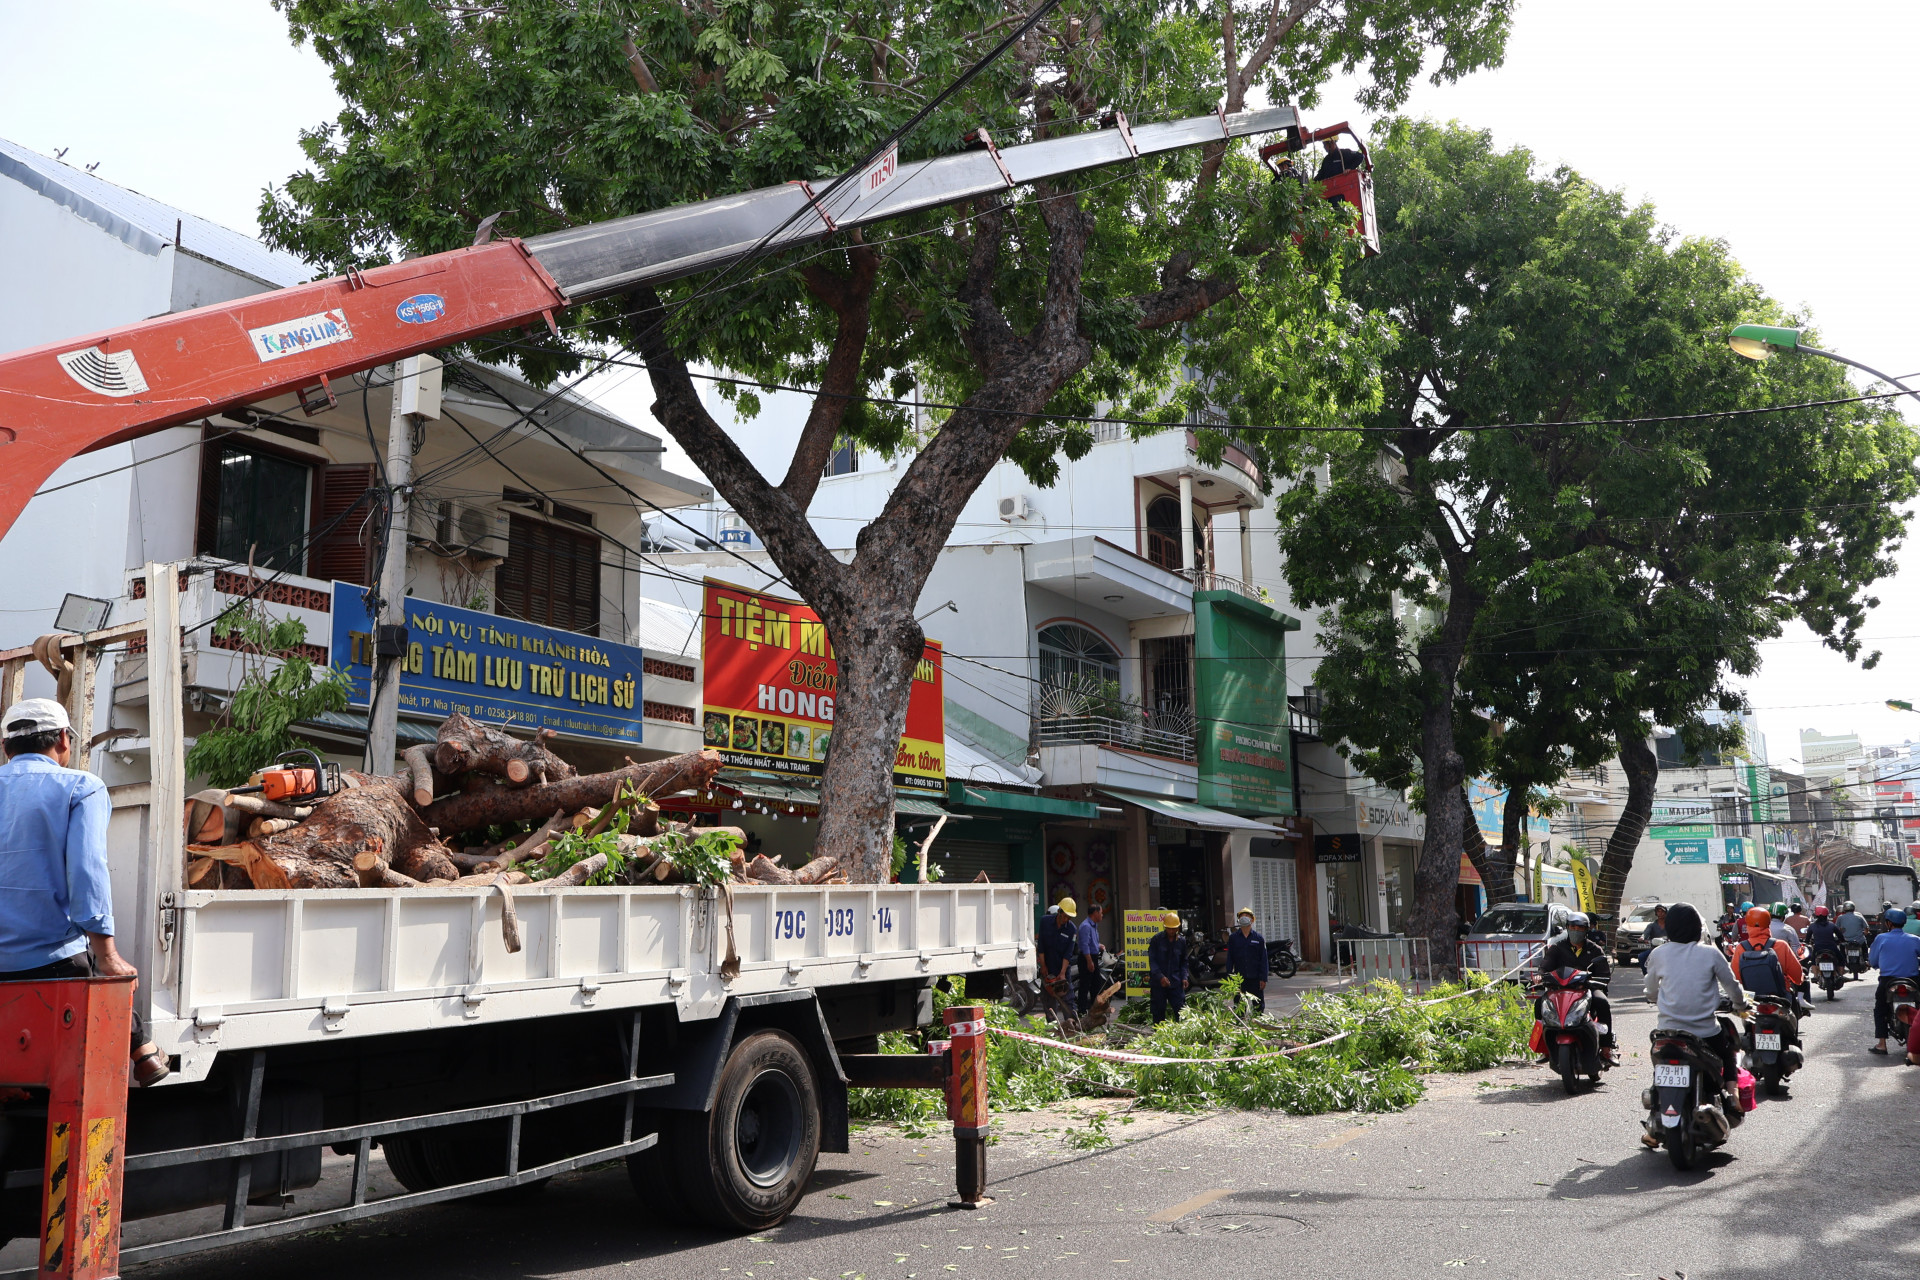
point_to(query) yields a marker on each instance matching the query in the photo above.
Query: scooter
(1690, 1108)
(1206, 960)
(1281, 962)
(1902, 995)
(1831, 968)
(1772, 1041)
(1856, 959)
(1570, 1037)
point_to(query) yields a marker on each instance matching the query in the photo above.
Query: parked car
(1509, 935)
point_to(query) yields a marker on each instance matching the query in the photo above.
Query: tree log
(258, 827)
(374, 873)
(817, 871)
(263, 808)
(468, 746)
(536, 845)
(477, 809)
(579, 873)
(767, 871)
(420, 767)
(375, 814)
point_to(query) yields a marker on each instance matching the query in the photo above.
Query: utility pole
(415, 391)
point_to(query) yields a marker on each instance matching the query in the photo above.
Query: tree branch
(637, 65)
(850, 297)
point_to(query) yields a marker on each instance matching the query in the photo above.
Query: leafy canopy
(1612, 574)
(568, 113)
(279, 687)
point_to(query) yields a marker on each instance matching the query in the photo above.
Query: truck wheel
(745, 1164)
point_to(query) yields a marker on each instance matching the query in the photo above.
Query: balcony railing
(1126, 734)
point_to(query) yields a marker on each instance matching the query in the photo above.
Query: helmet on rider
(1577, 926)
(1819, 913)
(1683, 923)
(1756, 918)
(1896, 918)
(1779, 911)
(1846, 906)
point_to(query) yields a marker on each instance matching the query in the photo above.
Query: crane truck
(305, 1021)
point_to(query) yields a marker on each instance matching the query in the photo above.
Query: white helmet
(1578, 920)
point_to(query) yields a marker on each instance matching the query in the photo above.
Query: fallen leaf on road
(884, 1204)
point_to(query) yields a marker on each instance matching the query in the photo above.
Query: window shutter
(345, 551)
(551, 575)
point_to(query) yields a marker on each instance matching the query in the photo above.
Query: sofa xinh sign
(770, 682)
(497, 669)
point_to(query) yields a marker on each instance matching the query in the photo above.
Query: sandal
(150, 1068)
(1877, 1049)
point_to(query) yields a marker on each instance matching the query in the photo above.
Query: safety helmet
(1068, 907)
(1846, 906)
(1819, 913)
(1746, 905)
(1578, 920)
(1247, 912)
(1756, 918)
(1779, 911)
(1171, 920)
(1896, 917)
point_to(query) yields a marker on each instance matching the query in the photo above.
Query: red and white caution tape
(977, 1027)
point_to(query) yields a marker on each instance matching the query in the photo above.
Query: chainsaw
(289, 781)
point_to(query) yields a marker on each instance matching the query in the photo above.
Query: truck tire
(744, 1165)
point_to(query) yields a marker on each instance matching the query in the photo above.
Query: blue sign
(496, 669)
(422, 308)
(736, 537)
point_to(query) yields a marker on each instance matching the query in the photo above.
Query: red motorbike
(1569, 1035)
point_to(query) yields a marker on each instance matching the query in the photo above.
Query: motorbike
(1690, 1108)
(1903, 994)
(1772, 1040)
(1571, 1039)
(1206, 960)
(1856, 958)
(1830, 966)
(1281, 962)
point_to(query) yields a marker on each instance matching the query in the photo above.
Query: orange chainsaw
(290, 781)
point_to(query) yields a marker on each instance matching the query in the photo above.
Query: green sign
(1690, 850)
(1240, 702)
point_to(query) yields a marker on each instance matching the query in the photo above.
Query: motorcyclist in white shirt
(1686, 978)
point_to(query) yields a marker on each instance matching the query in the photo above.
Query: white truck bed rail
(269, 967)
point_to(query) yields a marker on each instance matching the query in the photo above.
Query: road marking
(1186, 1207)
(1340, 1139)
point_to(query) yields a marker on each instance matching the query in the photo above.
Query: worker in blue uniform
(1247, 956)
(1089, 949)
(1057, 942)
(1167, 970)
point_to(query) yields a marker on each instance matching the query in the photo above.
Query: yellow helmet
(1171, 920)
(1068, 907)
(1247, 912)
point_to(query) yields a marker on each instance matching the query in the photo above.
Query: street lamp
(1759, 341)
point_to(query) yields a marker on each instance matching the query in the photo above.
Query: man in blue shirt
(1247, 956)
(1167, 970)
(1088, 947)
(56, 900)
(1896, 954)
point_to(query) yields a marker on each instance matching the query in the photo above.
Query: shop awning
(354, 724)
(1019, 802)
(1193, 814)
(967, 763)
(778, 792)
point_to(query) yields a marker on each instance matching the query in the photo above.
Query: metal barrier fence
(1495, 958)
(1401, 960)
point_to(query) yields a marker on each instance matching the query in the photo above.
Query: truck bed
(254, 969)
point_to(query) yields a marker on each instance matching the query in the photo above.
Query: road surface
(1496, 1174)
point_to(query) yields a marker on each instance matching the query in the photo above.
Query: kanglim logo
(291, 337)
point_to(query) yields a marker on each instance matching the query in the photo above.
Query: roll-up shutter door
(961, 860)
(1275, 899)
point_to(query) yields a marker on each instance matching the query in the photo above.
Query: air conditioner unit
(453, 528)
(1014, 508)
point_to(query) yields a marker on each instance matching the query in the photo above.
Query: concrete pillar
(1246, 546)
(1186, 524)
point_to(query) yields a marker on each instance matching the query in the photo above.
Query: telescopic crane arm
(65, 398)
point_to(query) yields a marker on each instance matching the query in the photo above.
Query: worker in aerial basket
(56, 899)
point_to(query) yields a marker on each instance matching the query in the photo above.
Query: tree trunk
(1642, 767)
(1494, 866)
(1436, 877)
(869, 714)
(475, 810)
(376, 816)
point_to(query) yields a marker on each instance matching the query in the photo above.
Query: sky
(1777, 127)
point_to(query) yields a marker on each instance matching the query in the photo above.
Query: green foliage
(1395, 1037)
(571, 846)
(1576, 579)
(278, 688)
(455, 111)
(905, 857)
